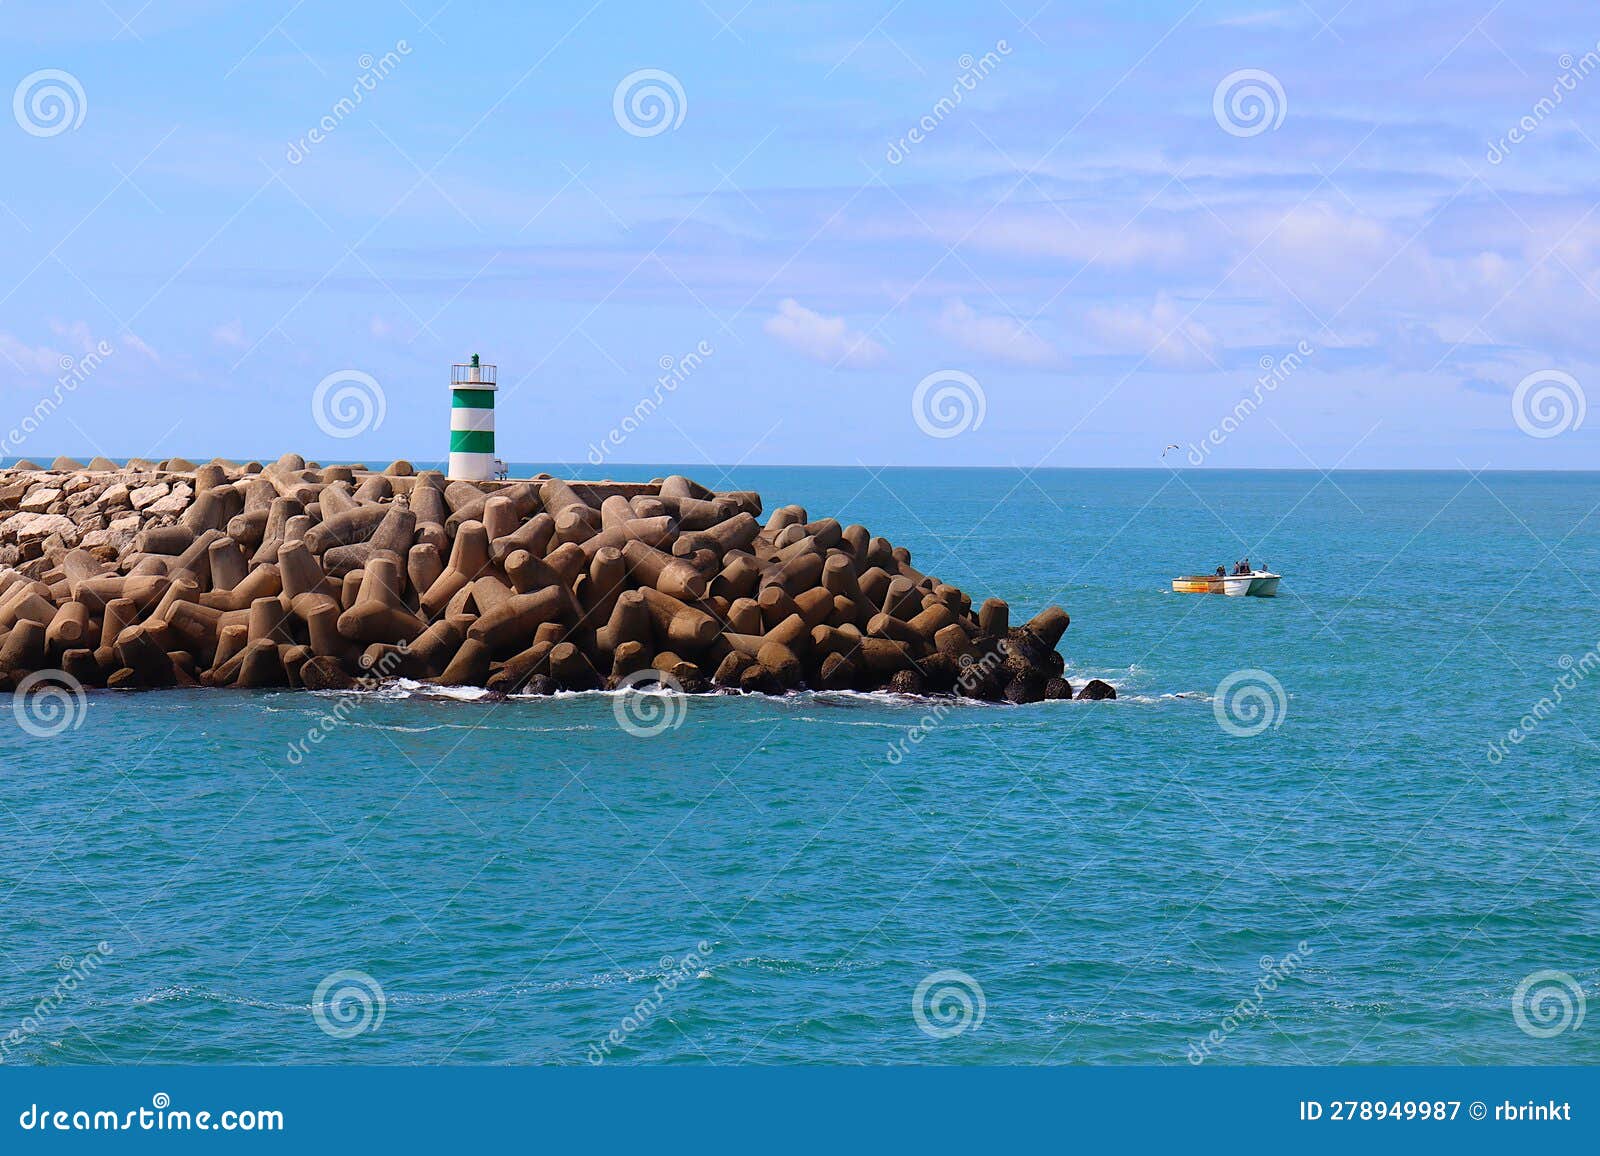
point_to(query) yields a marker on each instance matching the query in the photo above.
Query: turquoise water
(523, 878)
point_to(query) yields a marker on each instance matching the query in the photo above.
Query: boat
(1255, 584)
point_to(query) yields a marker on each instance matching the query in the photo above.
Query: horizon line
(6, 465)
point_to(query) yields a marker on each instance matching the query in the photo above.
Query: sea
(1355, 823)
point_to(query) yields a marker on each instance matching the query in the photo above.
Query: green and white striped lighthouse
(472, 389)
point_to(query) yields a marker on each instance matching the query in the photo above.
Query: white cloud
(1330, 259)
(1160, 333)
(1275, 18)
(1106, 242)
(18, 356)
(29, 359)
(825, 339)
(1002, 338)
(84, 339)
(230, 334)
(77, 332)
(133, 342)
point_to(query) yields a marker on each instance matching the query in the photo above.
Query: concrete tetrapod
(296, 574)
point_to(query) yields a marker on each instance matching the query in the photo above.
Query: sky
(1289, 235)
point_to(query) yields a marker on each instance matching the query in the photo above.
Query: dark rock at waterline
(837, 673)
(1095, 690)
(1025, 652)
(938, 673)
(906, 682)
(979, 682)
(757, 679)
(1056, 689)
(1025, 688)
(731, 668)
(323, 673)
(79, 664)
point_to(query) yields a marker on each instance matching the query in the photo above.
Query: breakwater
(297, 575)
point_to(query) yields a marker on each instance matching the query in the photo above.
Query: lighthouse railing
(472, 375)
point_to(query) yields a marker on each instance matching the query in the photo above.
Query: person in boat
(1222, 571)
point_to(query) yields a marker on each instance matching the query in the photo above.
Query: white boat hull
(1256, 584)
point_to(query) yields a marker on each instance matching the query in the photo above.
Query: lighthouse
(472, 390)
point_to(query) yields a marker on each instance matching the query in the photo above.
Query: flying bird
(1171, 447)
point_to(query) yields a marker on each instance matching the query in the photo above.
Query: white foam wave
(1130, 683)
